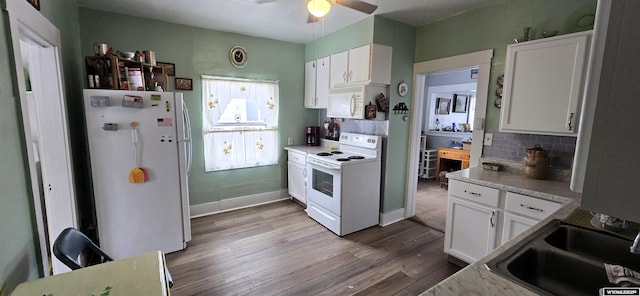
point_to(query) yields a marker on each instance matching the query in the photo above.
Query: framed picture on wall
(460, 103)
(184, 84)
(169, 68)
(442, 106)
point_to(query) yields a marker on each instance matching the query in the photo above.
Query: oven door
(323, 187)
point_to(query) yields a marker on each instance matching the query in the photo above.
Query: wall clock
(238, 56)
(403, 89)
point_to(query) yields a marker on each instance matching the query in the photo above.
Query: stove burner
(356, 157)
(336, 152)
(343, 159)
(324, 154)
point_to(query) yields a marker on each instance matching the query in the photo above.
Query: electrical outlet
(488, 139)
(289, 141)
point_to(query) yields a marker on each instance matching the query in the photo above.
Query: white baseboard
(236, 203)
(391, 217)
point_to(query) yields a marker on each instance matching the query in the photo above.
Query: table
(139, 275)
(449, 158)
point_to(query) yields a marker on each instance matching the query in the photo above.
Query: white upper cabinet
(316, 83)
(339, 69)
(370, 63)
(322, 82)
(310, 84)
(543, 85)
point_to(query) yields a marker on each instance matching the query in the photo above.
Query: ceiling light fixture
(318, 8)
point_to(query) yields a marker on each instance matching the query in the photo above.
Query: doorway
(38, 69)
(481, 61)
(448, 115)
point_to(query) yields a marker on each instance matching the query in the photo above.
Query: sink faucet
(635, 248)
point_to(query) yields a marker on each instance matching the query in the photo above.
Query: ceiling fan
(319, 8)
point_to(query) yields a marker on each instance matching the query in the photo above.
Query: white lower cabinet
(522, 212)
(514, 225)
(481, 218)
(471, 229)
(297, 176)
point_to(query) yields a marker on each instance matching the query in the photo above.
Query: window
(239, 122)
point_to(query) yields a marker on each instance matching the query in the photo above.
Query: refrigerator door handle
(187, 136)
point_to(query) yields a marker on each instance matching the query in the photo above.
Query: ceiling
(284, 20)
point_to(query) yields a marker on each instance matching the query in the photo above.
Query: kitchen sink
(595, 245)
(564, 259)
(558, 274)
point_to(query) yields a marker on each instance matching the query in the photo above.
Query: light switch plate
(488, 139)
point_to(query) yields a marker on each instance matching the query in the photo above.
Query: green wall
(355, 35)
(19, 260)
(195, 52)
(495, 27)
(401, 37)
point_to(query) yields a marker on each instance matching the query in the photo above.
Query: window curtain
(239, 122)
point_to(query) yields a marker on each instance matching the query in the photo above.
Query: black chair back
(71, 243)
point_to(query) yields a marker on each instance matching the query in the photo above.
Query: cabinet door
(297, 179)
(359, 64)
(514, 225)
(338, 69)
(470, 232)
(543, 85)
(310, 84)
(323, 67)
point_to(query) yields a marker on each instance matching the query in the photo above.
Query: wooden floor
(276, 249)
(431, 204)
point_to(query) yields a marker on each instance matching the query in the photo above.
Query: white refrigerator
(136, 215)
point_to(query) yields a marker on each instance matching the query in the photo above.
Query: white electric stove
(343, 186)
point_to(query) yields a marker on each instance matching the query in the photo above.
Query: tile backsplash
(513, 147)
(361, 126)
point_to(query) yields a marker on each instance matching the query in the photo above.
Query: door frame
(481, 59)
(60, 209)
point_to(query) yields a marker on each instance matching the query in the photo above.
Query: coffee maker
(312, 135)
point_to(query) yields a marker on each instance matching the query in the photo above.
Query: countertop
(138, 275)
(476, 279)
(505, 180)
(325, 145)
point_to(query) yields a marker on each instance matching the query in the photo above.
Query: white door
(39, 40)
(471, 230)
